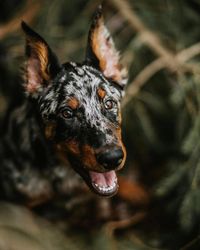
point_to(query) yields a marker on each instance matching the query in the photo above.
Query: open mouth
(104, 183)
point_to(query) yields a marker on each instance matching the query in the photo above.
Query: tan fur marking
(89, 159)
(49, 131)
(120, 117)
(95, 44)
(104, 49)
(64, 147)
(101, 93)
(73, 103)
(69, 146)
(42, 53)
(87, 154)
(73, 147)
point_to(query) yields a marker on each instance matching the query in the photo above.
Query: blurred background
(158, 203)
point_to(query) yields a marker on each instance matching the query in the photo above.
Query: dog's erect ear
(42, 64)
(101, 51)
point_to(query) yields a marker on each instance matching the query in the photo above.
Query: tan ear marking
(103, 48)
(42, 64)
(42, 53)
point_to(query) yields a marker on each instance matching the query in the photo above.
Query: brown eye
(109, 104)
(67, 113)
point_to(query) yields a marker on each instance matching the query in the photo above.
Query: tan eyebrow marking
(73, 103)
(101, 93)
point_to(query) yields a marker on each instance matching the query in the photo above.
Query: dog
(70, 116)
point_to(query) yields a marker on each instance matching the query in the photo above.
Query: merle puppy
(70, 117)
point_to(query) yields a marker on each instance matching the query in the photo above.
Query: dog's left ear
(101, 51)
(42, 64)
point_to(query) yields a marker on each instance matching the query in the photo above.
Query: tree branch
(122, 224)
(28, 13)
(146, 36)
(135, 86)
(181, 58)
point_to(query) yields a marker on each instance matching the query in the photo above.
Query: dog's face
(80, 105)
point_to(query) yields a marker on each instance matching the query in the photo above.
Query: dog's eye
(67, 113)
(110, 104)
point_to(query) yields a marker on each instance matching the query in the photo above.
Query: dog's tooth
(105, 189)
(108, 188)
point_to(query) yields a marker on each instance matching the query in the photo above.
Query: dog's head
(79, 104)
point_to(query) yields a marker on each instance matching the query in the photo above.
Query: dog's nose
(111, 159)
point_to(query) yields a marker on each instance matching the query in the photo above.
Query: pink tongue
(103, 179)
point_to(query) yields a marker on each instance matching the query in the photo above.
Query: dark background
(158, 204)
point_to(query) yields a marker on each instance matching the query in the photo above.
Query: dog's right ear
(42, 64)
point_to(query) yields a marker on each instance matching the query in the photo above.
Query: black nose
(111, 159)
